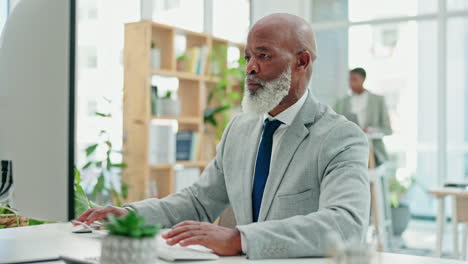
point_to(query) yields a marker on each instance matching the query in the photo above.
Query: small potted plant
(130, 241)
(168, 106)
(399, 186)
(180, 65)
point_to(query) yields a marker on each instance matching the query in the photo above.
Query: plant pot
(127, 250)
(400, 219)
(180, 66)
(167, 107)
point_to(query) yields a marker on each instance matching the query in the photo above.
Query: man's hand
(95, 214)
(223, 241)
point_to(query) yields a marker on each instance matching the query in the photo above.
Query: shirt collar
(359, 95)
(288, 115)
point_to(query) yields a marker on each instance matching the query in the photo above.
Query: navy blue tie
(262, 167)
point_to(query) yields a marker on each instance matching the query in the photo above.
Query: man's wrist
(243, 242)
(238, 241)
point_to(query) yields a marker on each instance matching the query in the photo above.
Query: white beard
(267, 97)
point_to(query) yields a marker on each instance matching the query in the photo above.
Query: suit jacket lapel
(290, 142)
(252, 137)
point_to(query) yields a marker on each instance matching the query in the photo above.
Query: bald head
(295, 32)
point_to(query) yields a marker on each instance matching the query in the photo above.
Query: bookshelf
(192, 92)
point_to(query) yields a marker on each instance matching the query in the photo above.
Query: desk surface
(440, 192)
(89, 244)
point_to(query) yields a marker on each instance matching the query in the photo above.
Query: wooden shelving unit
(192, 93)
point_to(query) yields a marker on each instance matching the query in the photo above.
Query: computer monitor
(37, 90)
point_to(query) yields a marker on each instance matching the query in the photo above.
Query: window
(100, 41)
(363, 10)
(457, 5)
(398, 43)
(231, 19)
(400, 66)
(186, 14)
(87, 10)
(360, 10)
(457, 99)
(87, 57)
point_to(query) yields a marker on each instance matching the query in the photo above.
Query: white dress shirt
(287, 117)
(359, 107)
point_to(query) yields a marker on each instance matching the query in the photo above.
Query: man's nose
(252, 67)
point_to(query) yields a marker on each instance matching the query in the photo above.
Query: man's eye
(247, 58)
(263, 55)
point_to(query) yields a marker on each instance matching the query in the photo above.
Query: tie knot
(270, 127)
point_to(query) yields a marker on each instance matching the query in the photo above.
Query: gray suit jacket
(377, 118)
(318, 183)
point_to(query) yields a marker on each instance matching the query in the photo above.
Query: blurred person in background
(368, 111)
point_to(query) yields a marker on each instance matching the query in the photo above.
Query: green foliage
(132, 225)
(81, 200)
(219, 116)
(33, 222)
(104, 191)
(181, 57)
(399, 186)
(168, 95)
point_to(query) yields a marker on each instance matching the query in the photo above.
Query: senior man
(291, 169)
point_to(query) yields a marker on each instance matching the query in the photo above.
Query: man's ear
(303, 60)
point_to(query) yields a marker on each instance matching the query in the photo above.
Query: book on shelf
(195, 61)
(187, 145)
(162, 142)
(186, 177)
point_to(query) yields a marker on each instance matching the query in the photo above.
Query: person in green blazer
(367, 110)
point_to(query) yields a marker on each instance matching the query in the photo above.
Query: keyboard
(176, 253)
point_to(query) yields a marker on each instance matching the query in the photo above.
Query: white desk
(89, 244)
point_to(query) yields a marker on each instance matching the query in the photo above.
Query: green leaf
(81, 200)
(77, 176)
(119, 165)
(90, 149)
(103, 115)
(2, 226)
(99, 187)
(33, 222)
(87, 165)
(124, 190)
(132, 225)
(98, 164)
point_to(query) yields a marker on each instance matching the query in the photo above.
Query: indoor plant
(130, 240)
(218, 117)
(399, 186)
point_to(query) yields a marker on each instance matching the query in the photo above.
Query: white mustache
(254, 79)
